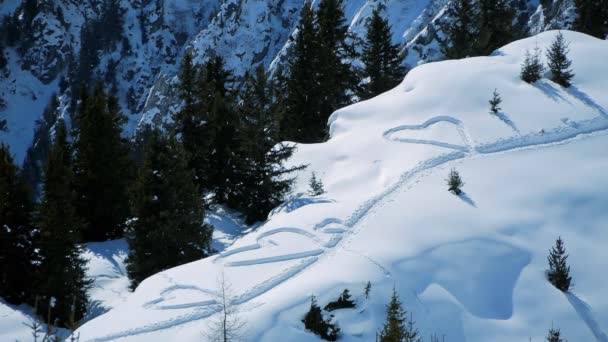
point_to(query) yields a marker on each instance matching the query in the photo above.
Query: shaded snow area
(469, 267)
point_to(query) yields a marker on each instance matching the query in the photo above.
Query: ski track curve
(388, 134)
(548, 138)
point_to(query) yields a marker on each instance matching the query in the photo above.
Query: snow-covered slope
(470, 267)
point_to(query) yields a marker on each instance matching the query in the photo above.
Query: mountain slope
(470, 267)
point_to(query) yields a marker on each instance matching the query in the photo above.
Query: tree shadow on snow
(504, 118)
(584, 311)
(549, 89)
(468, 200)
(586, 99)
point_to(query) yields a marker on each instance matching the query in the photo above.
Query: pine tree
(337, 78)
(592, 17)
(262, 177)
(167, 229)
(102, 169)
(462, 31)
(368, 289)
(316, 186)
(455, 183)
(314, 321)
(532, 67)
(495, 25)
(302, 118)
(554, 336)
(17, 236)
(559, 64)
(61, 270)
(396, 328)
(559, 271)
(343, 302)
(382, 60)
(495, 102)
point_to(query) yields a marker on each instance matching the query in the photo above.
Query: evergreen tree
(262, 182)
(382, 60)
(368, 289)
(396, 328)
(559, 64)
(495, 25)
(302, 118)
(314, 321)
(495, 102)
(554, 336)
(102, 169)
(343, 302)
(337, 78)
(592, 17)
(17, 236)
(462, 31)
(559, 271)
(316, 186)
(167, 229)
(61, 271)
(532, 67)
(455, 183)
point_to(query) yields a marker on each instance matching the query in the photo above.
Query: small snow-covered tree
(316, 186)
(532, 67)
(228, 326)
(455, 183)
(558, 61)
(554, 336)
(314, 321)
(559, 271)
(343, 302)
(495, 102)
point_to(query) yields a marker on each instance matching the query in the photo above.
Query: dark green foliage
(592, 17)
(302, 121)
(554, 336)
(3, 60)
(102, 168)
(110, 24)
(495, 25)
(495, 102)
(462, 31)
(314, 321)
(262, 179)
(343, 302)
(559, 271)
(455, 183)
(382, 60)
(61, 270)
(396, 328)
(368, 289)
(559, 64)
(316, 186)
(17, 236)
(532, 67)
(167, 229)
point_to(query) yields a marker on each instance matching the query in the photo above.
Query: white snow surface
(470, 267)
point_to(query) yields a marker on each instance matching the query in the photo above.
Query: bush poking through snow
(559, 271)
(396, 328)
(559, 64)
(455, 183)
(316, 186)
(343, 302)
(495, 102)
(532, 67)
(314, 321)
(554, 336)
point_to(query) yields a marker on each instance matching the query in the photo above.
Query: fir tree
(343, 302)
(316, 186)
(592, 17)
(302, 119)
(17, 236)
(61, 272)
(559, 271)
(554, 336)
(495, 25)
(462, 31)
(382, 60)
(532, 67)
(559, 64)
(167, 229)
(455, 183)
(495, 102)
(102, 169)
(368, 289)
(314, 321)
(262, 177)
(396, 328)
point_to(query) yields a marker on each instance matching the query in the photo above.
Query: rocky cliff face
(140, 64)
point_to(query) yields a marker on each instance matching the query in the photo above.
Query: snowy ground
(470, 267)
